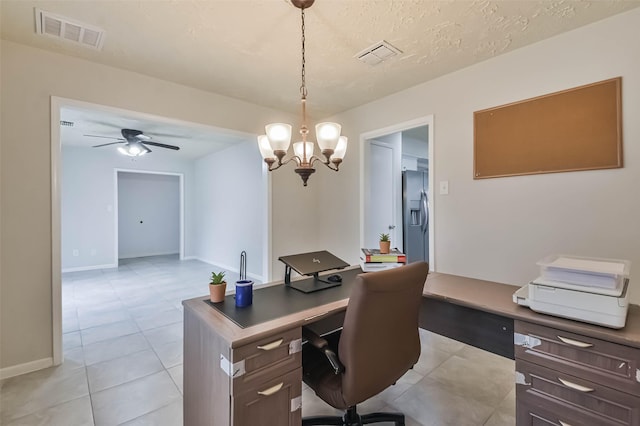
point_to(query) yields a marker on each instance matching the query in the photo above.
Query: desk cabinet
(258, 383)
(267, 390)
(569, 379)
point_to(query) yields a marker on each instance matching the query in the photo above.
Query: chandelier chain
(303, 87)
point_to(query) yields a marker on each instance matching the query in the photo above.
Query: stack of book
(372, 260)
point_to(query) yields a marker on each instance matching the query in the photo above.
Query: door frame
(369, 137)
(116, 206)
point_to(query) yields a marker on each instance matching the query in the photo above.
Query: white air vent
(67, 29)
(379, 52)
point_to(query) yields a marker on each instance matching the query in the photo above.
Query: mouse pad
(278, 301)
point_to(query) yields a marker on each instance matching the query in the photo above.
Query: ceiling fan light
(279, 135)
(327, 135)
(133, 149)
(123, 151)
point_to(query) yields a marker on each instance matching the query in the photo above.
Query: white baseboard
(133, 256)
(90, 268)
(27, 367)
(190, 258)
(230, 269)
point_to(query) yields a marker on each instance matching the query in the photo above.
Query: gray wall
(497, 229)
(29, 78)
(229, 190)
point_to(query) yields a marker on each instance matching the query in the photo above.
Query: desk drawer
(543, 413)
(266, 358)
(574, 398)
(613, 365)
(276, 402)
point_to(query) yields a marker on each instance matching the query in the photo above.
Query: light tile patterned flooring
(123, 360)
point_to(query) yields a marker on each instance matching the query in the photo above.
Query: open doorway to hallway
(397, 187)
(221, 185)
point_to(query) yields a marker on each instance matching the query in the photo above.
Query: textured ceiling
(250, 49)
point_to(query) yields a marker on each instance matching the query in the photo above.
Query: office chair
(378, 344)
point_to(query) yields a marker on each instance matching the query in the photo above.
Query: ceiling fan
(135, 143)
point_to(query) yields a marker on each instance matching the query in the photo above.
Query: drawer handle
(271, 345)
(563, 423)
(271, 390)
(574, 386)
(574, 342)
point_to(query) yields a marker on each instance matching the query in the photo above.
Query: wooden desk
(225, 366)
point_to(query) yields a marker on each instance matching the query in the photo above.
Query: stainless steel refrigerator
(415, 215)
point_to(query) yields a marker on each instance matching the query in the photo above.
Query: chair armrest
(314, 339)
(322, 345)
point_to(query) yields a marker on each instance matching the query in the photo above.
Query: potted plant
(385, 243)
(217, 287)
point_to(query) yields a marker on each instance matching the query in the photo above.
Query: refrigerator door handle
(424, 211)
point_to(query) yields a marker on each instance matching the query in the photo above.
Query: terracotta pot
(384, 247)
(216, 291)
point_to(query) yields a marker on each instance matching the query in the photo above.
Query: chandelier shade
(300, 152)
(274, 144)
(279, 136)
(341, 149)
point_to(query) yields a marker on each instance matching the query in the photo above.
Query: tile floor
(123, 360)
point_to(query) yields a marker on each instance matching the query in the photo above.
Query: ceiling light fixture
(274, 145)
(133, 149)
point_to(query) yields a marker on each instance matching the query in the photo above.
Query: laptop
(311, 263)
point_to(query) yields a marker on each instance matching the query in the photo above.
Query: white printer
(584, 289)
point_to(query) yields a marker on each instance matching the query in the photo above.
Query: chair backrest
(380, 339)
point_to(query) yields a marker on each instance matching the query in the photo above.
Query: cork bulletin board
(575, 129)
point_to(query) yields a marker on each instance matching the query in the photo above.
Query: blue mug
(244, 293)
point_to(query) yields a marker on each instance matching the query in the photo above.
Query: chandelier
(274, 145)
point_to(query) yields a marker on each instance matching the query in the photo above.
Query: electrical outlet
(94, 252)
(76, 252)
(444, 187)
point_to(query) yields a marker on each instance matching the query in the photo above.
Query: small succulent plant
(217, 279)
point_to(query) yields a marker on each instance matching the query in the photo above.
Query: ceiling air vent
(67, 29)
(379, 52)
(66, 123)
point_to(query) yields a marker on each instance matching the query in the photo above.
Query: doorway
(387, 156)
(193, 160)
(149, 214)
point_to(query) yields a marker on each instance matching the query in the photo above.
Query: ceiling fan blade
(162, 145)
(110, 143)
(167, 135)
(103, 137)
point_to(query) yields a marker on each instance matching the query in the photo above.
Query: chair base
(352, 418)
